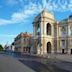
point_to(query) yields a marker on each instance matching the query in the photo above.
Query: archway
(48, 47)
(48, 29)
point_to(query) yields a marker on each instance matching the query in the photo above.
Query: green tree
(1, 47)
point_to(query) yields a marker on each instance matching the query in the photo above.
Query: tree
(1, 47)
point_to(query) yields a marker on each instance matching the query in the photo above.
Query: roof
(24, 35)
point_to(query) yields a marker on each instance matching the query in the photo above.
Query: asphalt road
(37, 64)
(10, 64)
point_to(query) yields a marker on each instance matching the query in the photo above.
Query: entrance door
(48, 47)
(71, 51)
(62, 51)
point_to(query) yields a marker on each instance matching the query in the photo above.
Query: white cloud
(24, 15)
(16, 17)
(27, 11)
(4, 22)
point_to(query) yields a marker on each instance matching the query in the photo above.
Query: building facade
(23, 43)
(9, 48)
(64, 36)
(51, 36)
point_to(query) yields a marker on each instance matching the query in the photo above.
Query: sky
(16, 16)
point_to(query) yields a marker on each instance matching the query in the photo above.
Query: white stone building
(51, 36)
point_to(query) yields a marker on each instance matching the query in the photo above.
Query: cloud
(22, 16)
(25, 14)
(3, 21)
(28, 11)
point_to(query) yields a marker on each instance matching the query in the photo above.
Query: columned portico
(44, 32)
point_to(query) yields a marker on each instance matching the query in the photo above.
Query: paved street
(9, 64)
(37, 64)
(40, 64)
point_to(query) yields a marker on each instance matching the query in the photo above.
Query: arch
(48, 47)
(48, 29)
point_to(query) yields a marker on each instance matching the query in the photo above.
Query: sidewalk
(63, 57)
(9, 64)
(63, 61)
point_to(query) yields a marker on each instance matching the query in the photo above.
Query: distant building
(9, 47)
(64, 36)
(23, 42)
(50, 36)
(6, 47)
(12, 47)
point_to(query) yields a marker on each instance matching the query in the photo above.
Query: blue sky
(17, 15)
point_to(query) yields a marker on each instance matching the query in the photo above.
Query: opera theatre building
(50, 36)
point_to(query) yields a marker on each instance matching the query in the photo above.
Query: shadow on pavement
(39, 67)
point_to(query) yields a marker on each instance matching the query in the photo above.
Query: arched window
(48, 29)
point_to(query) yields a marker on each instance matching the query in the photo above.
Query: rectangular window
(62, 43)
(63, 31)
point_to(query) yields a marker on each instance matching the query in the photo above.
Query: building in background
(23, 42)
(64, 36)
(10, 48)
(50, 36)
(6, 47)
